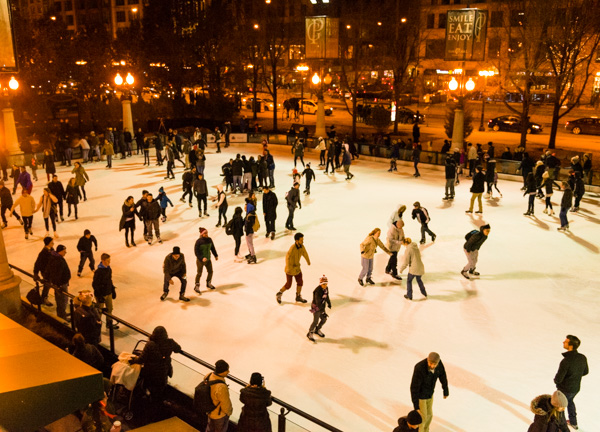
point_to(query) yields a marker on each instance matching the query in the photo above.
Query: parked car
(587, 125)
(510, 123)
(264, 104)
(406, 115)
(307, 106)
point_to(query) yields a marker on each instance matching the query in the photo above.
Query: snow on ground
(500, 337)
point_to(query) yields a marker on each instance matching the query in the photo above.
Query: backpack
(229, 227)
(34, 297)
(470, 234)
(256, 225)
(203, 403)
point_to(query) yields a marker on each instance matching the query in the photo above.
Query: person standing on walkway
(572, 368)
(256, 398)
(474, 240)
(477, 189)
(174, 266)
(202, 249)
(58, 273)
(565, 204)
(104, 289)
(367, 251)
(422, 216)
(394, 239)
(292, 199)
(26, 204)
(416, 269)
(422, 386)
(84, 247)
(81, 177)
(318, 308)
(269, 205)
(292, 268)
(218, 419)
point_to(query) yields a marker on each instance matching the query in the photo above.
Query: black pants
(129, 229)
(14, 213)
(82, 187)
(83, 256)
(146, 157)
(170, 166)
(530, 203)
(202, 199)
(322, 157)
(52, 218)
(319, 319)
(270, 224)
(223, 212)
(27, 222)
(392, 265)
(159, 158)
(69, 208)
(290, 220)
(301, 160)
(59, 204)
(308, 180)
(238, 243)
(329, 162)
(187, 191)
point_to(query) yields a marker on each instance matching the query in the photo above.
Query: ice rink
(500, 337)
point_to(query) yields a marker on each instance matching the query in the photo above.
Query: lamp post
(486, 74)
(317, 81)
(458, 129)
(10, 131)
(302, 69)
(126, 101)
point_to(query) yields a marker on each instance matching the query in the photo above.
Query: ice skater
(187, 179)
(422, 216)
(250, 226)
(81, 177)
(72, 196)
(269, 205)
(292, 268)
(572, 368)
(474, 241)
(201, 192)
(127, 221)
(477, 189)
(6, 201)
(174, 266)
(422, 386)
(346, 162)
(394, 238)
(416, 269)
(318, 308)
(48, 205)
(221, 205)
(530, 189)
(367, 251)
(547, 183)
(292, 199)
(26, 204)
(84, 247)
(151, 214)
(450, 174)
(203, 248)
(565, 204)
(309, 175)
(164, 201)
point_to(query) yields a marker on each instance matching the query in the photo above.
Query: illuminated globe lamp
(470, 85)
(453, 84)
(118, 79)
(13, 84)
(315, 79)
(129, 79)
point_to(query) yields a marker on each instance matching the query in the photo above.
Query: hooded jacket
(543, 420)
(395, 236)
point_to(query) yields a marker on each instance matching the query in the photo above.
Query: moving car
(511, 123)
(406, 115)
(264, 104)
(587, 125)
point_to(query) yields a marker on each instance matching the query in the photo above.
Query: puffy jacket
(174, 267)
(255, 417)
(152, 210)
(543, 421)
(475, 241)
(478, 182)
(394, 237)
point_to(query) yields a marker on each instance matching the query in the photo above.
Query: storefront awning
(40, 383)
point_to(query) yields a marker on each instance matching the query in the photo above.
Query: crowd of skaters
(255, 181)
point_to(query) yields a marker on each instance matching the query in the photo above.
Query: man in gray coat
(416, 269)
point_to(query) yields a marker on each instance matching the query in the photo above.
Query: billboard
(466, 31)
(8, 53)
(322, 37)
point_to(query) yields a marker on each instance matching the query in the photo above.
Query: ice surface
(500, 337)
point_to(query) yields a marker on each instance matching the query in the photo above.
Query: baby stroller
(125, 380)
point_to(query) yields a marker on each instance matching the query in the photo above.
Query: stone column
(320, 129)
(10, 294)
(15, 155)
(127, 116)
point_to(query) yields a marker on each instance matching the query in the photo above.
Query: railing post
(72, 310)
(281, 424)
(37, 288)
(111, 336)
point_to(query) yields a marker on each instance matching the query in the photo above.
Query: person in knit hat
(174, 266)
(549, 413)
(319, 303)
(218, 419)
(410, 422)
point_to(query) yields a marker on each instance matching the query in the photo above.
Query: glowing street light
(315, 79)
(118, 79)
(301, 68)
(13, 84)
(403, 20)
(256, 26)
(129, 79)
(453, 84)
(470, 85)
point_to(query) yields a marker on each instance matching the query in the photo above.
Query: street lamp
(458, 129)
(126, 101)
(13, 84)
(485, 74)
(10, 130)
(302, 69)
(315, 79)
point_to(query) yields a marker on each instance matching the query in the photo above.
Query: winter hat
(221, 366)
(559, 400)
(47, 240)
(256, 379)
(161, 189)
(323, 279)
(60, 248)
(202, 230)
(414, 418)
(308, 164)
(548, 153)
(176, 250)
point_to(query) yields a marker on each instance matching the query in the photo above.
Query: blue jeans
(409, 285)
(571, 407)
(563, 217)
(367, 268)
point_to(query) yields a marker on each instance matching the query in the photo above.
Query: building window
(430, 21)
(435, 49)
(120, 16)
(70, 20)
(58, 6)
(442, 21)
(497, 18)
(119, 2)
(517, 18)
(494, 47)
(515, 46)
(133, 1)
(434, 2)
(445, 2)
(68, 5)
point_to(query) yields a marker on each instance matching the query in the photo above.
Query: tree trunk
(274, 84)
(396, 99)
(554, 125)
(354, 101)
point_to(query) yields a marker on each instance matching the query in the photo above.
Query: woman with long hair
(81, 177)
(72, 195)
(367, 251)
(48, 205)
(549, 413)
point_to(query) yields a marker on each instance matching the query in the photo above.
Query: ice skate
(278, 297)
(310, 337)
(300, 299)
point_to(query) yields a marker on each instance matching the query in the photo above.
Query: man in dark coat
(568, 378)
(409, 423)
(422, 386)
(142, 204)
(471, 247)
(58, 190)
(187, 179)
(269, 211)
(174, 266)
(293, 199)
(151, 215)
(58, 273)
(450, 169)
(41, 263)
(477, 189)
(202, 249)
(84, 247)
(6, 202)
(104, 290)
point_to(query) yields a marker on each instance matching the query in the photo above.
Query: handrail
(192, 357)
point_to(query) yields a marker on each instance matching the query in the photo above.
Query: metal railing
(285, 408)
